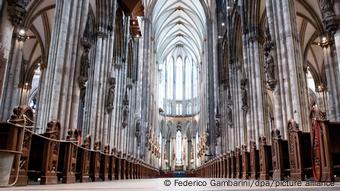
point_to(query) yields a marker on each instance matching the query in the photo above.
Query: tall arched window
(178, 147)
(195, 81)
(170, 67)
(162, 82)
(189, 108)
(188, 82)
(179, 78)
(33, 97)
(310, 80)
(180, 29)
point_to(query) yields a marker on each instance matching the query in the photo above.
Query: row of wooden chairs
(45, 159)
(305, 155)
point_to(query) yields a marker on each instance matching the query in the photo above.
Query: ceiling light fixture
(22, 32)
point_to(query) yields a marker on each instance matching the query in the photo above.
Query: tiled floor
(187, 184)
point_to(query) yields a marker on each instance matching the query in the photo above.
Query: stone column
(147, 52)
(333, 81)
(101, 86)
(330, 11)
(252, 79)
(56, 101)
(283, 28)
(12, 92)
(10, 54)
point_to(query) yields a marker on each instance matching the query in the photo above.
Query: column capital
(21, 37)
(329, 18)
(101, 34)
(255, 34)
(326, 40)
(16, 11)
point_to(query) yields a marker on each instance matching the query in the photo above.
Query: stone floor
(173, 184)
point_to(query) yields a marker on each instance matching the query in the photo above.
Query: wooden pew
(139, 170)
(112, 170)
(325, 143)
(224, 166)
(43, 162)
(221, 165)
(228, 165)
(245, 162)
(254, 161)
(265, 156)
(95, 162)
(281, 168)
(119, 166)
(299, 152)
(133, 168)
(105, 163)
(22, 116)
(238, 159)
(51, 153)
(232, 164)
(83, 161)
(213, 168)
(67, 161)
(36, 158)
(130, 167)
(123, 164)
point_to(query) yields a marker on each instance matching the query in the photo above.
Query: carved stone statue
(125, 110)
(244, 94)
(72, 134)
(110, 94)
(229, 115)
(269, 66)
(328, 15)
(192, 157)
(276, 133)
(85, 64)
(137, 133)
(269, 69)
(97, 145)
(218, 128)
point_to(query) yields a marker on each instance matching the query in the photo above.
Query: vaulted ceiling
(179, 24)
(39, 24)
(310, 30)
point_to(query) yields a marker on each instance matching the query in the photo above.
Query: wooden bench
(44, 153)
(83, 161)
(130, 167)
(280, 156)
(67, 161)
(224, 165)
(245, 162)
(95, 162)
(119, 166)
(254, 161)
(325, 144)
(238, 164)
(299, 152)
(36, 158)
(114, 164)
(265, 159)
(12, 136)
(232, 164)
(105, 163)
(228, 165)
